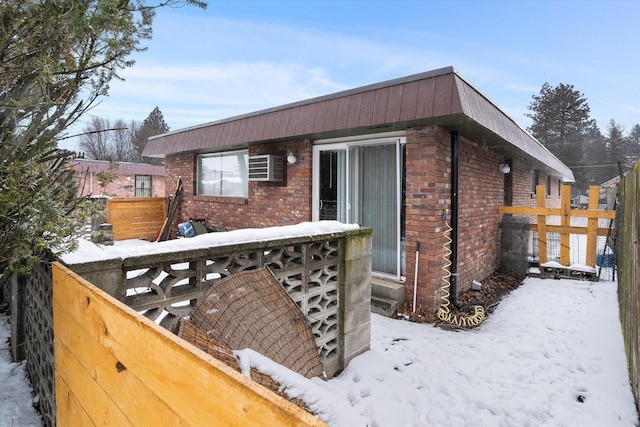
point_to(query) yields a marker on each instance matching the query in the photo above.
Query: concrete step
(388, 289)
(383, 306)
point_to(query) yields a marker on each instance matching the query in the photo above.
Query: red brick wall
(521, 173)
(427, 163)
(428, 187)
(481, 193)
(121, 186)
(268, 204)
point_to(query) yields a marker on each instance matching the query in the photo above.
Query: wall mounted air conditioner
(266, 167)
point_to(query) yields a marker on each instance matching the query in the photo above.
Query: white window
(223, 174)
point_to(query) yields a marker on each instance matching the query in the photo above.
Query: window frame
(142, 179)
(243, 172)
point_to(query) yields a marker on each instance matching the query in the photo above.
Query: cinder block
(356, 316)
(358, 247)
(357, 286)
(357, 342)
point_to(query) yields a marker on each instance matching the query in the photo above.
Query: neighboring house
(395, 156)
(128, 179)
(609, 191)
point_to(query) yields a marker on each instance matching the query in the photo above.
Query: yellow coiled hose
(444, 313)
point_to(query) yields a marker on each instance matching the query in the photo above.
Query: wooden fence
(628, 259)
(136, 218)
(115, 367)
(592, 213)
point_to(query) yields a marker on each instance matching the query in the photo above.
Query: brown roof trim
(439, 97)
(319, 99)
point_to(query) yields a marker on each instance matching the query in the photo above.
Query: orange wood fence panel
(115, 367)
(592, 213)
(136, 218)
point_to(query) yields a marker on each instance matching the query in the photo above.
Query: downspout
(453, 296)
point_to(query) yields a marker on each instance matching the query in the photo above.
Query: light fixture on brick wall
(291, 158)
(505, 168)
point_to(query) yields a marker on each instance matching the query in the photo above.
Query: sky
(241, 56)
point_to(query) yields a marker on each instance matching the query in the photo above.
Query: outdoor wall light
(291, 158)
(505, 168)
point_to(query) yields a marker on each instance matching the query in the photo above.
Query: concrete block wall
(355, 294)
(349, 252)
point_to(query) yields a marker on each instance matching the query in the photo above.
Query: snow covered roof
(440, 97)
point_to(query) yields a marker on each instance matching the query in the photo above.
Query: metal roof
(440, 97)
(123, 168)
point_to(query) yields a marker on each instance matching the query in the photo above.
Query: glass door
(374, 200)
(361, 182)
(333, 197)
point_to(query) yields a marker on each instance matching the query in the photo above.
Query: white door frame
(345, 144)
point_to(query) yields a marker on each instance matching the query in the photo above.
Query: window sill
(221, 199)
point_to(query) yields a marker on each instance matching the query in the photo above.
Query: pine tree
(153, 125)
(616, 143)
(561, 123)
(633, 143)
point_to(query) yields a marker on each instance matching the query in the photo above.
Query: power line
(92, 132)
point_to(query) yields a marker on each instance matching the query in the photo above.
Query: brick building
(401, 156)
(129, 179)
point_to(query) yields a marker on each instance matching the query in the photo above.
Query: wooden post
(18, 317)
(565, 229)
(565, 222)
(592, 226)
(542, 225)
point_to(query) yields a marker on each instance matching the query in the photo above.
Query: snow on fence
(136, 218)
(116, 367)
(628, 259)
(326, 273)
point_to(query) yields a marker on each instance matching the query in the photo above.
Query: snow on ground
(15, 391)
(550, 355)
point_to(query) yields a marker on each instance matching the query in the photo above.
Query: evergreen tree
(153, 125)
(56, 59)
(616, 150)
(561, 123)
(633, 143)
